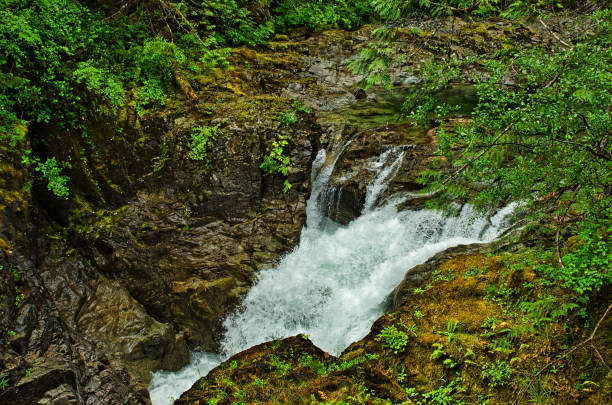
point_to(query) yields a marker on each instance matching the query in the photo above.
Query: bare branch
(559, 259)
(555, 35)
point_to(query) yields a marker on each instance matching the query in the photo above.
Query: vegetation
(64, 63)
(202, 139)
(394, 339)
(319, 14)
(539, 136)
(497, 373)
(277, 161)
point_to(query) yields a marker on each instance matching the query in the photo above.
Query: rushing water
(334, 285)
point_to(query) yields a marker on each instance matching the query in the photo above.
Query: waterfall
(334, 284)
(385, 174)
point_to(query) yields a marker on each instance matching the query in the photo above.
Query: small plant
(401, 375)
(228, 382)
(410, 328)
(411, 392)
(282, 367)
(201, 142)
(259, 382)
(4, 383)
(449, 362)
(18, 299)
(51, 171)
(540, 391)
(437, 352)
(440, 353)
(277, 161)
(350, 363)
(287, 117)
(14, 271)
(290, 116)
(438, 276)
(451, 329)
(444, 395)
(418, 314)
(315, 365)
(392, 338)
(301, 107)
(490, 323)
(497, 374)
(472, 272)
(502, 345)
(500, 294)
(234, 364)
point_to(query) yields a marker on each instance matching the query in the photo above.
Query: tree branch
(587, 147)
(465, 166)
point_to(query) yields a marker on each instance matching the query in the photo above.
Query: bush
(393, 338)
(497, 374)
(56, 181)
(202, 139)
(277, 161)
(321, 14)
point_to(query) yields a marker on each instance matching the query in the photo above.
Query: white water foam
(167, 386)
(385, 174)
(333, 286)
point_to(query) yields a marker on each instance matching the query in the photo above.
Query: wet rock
(282, 360)
(42, 359)
(360, 163)
(360, 94)
(404, 79)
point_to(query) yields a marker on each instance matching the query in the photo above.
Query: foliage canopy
(540, 134)
(66, 62)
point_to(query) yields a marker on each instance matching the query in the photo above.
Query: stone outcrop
(43, 358)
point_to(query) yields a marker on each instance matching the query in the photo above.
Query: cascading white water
(333, 286)
(384, 176)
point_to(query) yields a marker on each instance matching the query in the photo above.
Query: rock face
(418, 276)
(44, 359)
(398, 150)
(153, 248)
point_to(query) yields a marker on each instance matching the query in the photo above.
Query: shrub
(277, 161)
(201, 142)
(51, 171)
(321, 14)
(393, 338)
(497, 374)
